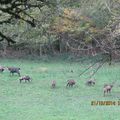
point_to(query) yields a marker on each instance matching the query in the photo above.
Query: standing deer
(107, 88)
(14, 70)
(53, 84)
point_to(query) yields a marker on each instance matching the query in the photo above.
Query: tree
(90, 27)
(13, 10)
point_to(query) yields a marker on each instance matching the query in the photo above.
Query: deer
(91, 82)
(70, 83)
(14, 70)
(53, 84)
(25, 78)
(107, 89)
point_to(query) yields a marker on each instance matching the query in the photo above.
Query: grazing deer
(14, 70)
(70, 83)
(53, 84)
(25, 78)
(107, 88)
(90, 82)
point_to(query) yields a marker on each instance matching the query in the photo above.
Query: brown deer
(90, 82)
(14, 70)
(25, 78)
(107, 88)
(53, 84)
(70, 83)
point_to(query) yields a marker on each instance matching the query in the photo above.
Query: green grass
(37, 101)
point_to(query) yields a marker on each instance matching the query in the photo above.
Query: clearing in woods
(37, 101)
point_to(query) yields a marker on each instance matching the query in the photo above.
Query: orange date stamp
(105, 103)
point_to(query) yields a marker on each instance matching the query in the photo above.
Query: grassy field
(37, 101)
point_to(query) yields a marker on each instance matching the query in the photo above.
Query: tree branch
(9, 40)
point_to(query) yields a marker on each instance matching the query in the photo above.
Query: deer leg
(67, 84)
(19, 74)
(104, 93)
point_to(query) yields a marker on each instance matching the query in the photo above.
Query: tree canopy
(78, 26)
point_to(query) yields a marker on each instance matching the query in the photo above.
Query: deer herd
(70, 83)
